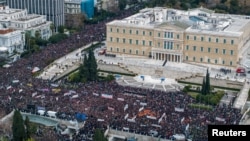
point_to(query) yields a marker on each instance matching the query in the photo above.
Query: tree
(28, 127)
(52, 28)
(207, 83)
(87, 70)
(203, 89)
(18, 130)
(99, 136)
(122, 4)
(37, 34)
(61, 29)
(223, 1)
(92, 66)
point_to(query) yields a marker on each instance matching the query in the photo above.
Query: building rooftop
(6, 31)
(7, 10)
(73, 1)
(192, 20)
(29, 17)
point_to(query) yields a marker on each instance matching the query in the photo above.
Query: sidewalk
(242, 97)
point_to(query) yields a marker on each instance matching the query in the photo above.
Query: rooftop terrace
(198, 19)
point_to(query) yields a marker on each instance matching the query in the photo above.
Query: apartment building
(19, 19)
(12, 40)
(72, 6)
(53, 9)
(198, 35)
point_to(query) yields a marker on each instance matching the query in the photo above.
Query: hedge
(201, 106)
(218, 87)
(117, 73)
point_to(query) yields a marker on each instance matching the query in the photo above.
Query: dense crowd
(107, 104)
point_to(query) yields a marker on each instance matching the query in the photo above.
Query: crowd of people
(106, 104)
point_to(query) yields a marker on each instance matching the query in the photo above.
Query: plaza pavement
(152, 69)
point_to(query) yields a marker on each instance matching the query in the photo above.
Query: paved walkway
(150, 83)
(242, 97)
(64, 65)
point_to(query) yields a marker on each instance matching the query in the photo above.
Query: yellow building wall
(137, 36)
(216, 45)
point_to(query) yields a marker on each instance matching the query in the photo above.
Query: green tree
(92, 66)
(52, 28)
(18, 130)
(57, 38)
(28, 127)
(122, 4)
(223, 1)
(37, 34)
(99, 136)
(207, 86)
(61, 29)
(203, 88)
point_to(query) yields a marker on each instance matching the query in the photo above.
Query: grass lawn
(201, 106)
(193, 94)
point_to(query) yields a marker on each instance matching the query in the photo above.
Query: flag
(179, 109)
(110, 108)
(107, 96)
(120, 99)
(9, 98)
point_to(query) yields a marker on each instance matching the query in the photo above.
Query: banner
(34, 94)
(126, 128)
(131, 120)
(141, 109)
(107, 96)
(126, 116)
(110, 108)
(220, 119)
(95, 94)
(159, 121)
(100, 119)
(125, 107)
(20, 90)
(155, 125)
(151, 117)
(179, 109)
(66, 94)
(143, 104)
(120, 99)
(75, 96)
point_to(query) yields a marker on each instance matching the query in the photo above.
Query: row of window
(209, 39)
(131, 31)
(137, 42)
(166, 34)
(171, 35)
(223, 62)
(216, 50)
(130, 51)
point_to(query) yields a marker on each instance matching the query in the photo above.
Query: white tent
(35, 69)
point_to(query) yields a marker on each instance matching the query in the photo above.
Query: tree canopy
(99, 136)
(87, 70)
(18, 129)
